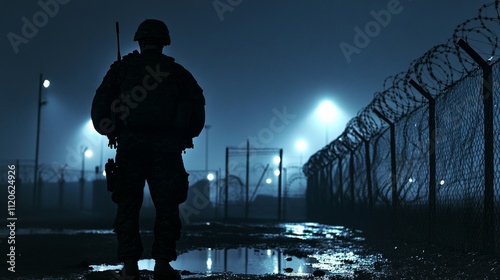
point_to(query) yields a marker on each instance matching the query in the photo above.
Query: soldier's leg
(168, 185)
(129, 196)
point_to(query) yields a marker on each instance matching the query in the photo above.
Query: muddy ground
(329, 252)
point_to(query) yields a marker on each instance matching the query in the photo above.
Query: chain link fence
(421, 158)
(58, 189)
(66, 189)
(253, 184)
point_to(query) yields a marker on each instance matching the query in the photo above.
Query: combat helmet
(153, 29)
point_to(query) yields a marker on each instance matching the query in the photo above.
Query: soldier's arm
(190, 87)
(106, 94)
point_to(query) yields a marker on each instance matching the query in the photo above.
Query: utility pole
(207, 127)
(40, 104)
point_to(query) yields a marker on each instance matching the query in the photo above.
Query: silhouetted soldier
(154, 107)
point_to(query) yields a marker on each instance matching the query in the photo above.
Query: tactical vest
(158, 95)
(148, 93)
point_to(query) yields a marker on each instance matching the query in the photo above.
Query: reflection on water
(239, 260)
(258, 262)
(336, 250)
(307, 231)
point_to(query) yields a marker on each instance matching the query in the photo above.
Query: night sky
(265, 66)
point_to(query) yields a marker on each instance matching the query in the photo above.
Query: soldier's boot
(164, 271)
(130, 271)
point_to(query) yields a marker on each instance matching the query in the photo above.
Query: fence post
(395, 196)
(247, 178)
(279, 184)
(322, 200)
(328, 193)
(340, 188)
(351, 179)
(368, 170)
(351, 175)
(432, 158)
(227, 184)
(489, 161)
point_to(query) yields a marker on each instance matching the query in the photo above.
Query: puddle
(257, 262)
(238, 260)
(309, 231)
(294, 249)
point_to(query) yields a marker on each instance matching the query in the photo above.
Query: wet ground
(248, 251)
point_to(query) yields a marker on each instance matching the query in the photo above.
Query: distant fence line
(65, 189)
(25, 172)
(423, 154)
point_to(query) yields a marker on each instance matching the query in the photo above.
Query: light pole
(41, 84)
(327, 113)
(85, 153)
(285, 192)
(206, 147)
(61, 186)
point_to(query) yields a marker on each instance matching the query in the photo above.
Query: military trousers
(147, 158)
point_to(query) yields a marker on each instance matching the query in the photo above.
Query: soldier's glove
(112, 141)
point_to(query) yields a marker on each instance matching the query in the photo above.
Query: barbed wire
(435, 71)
